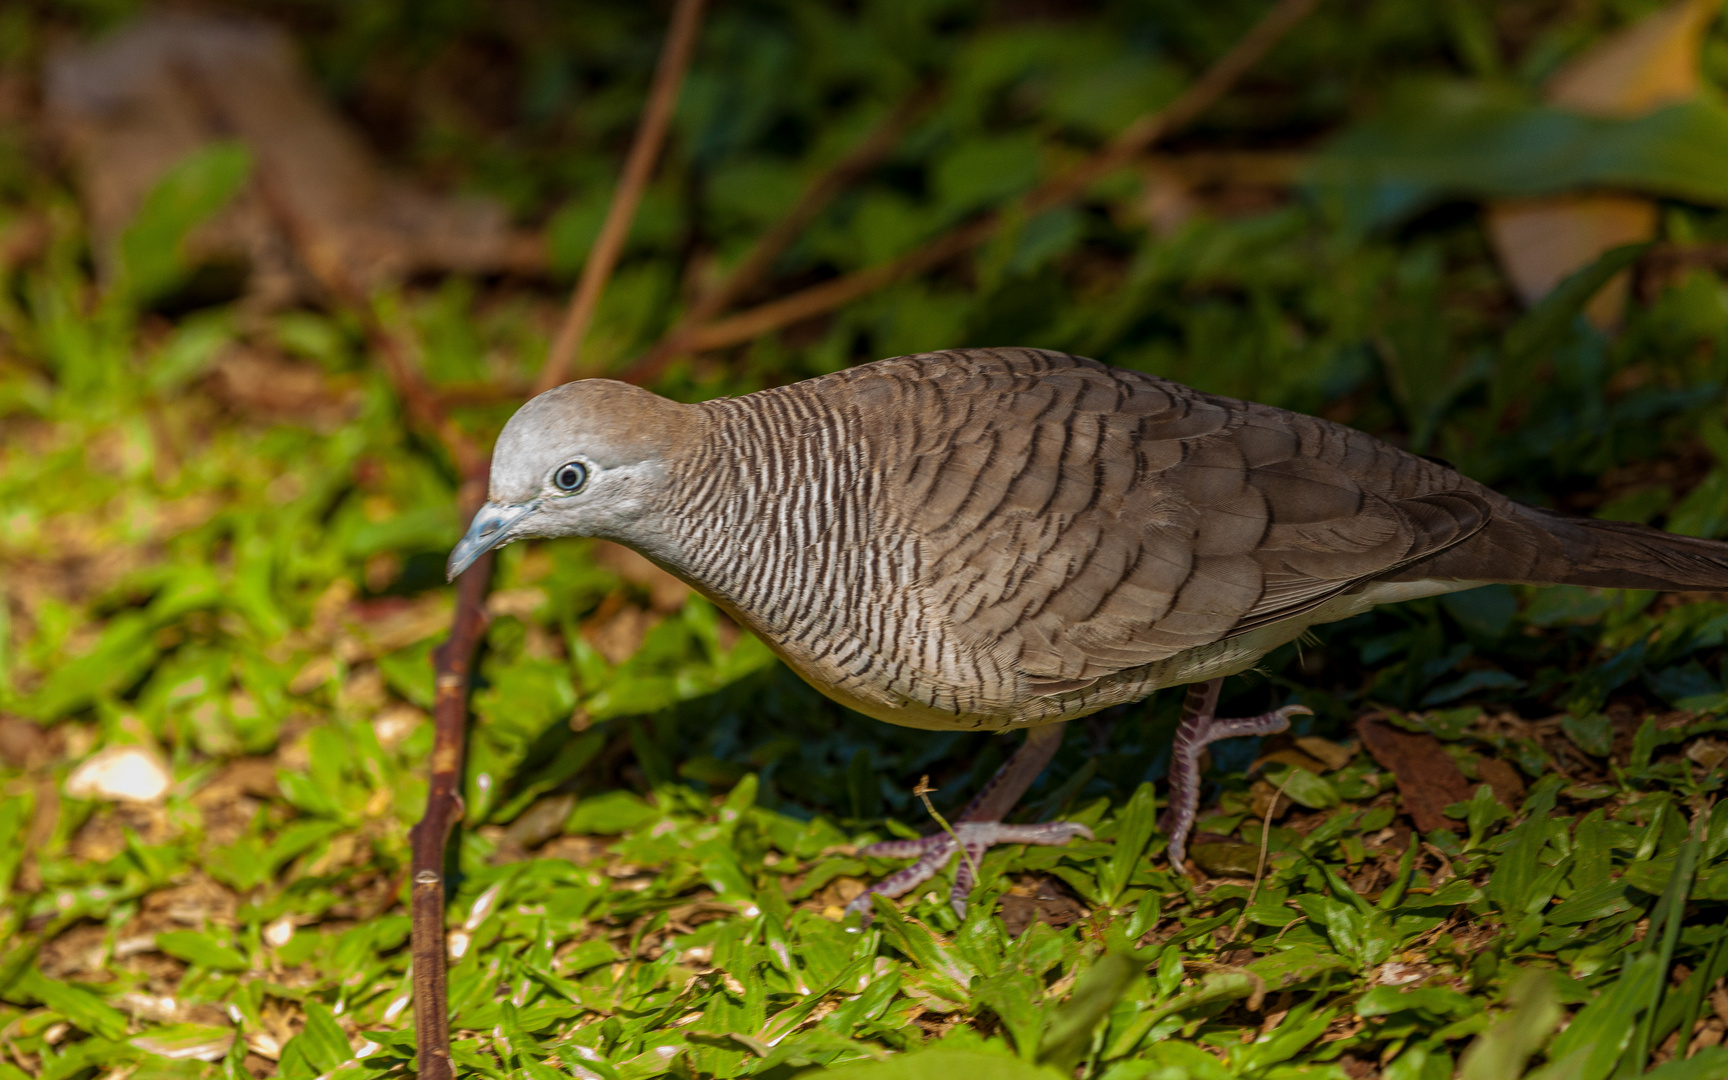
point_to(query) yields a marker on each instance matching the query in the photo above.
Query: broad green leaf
(1593, 902)
(1069, 1031)
(197, 947)
(199, 1042)
(1501, 1052)
(1016, 998)
(1436, 1001)
(1135, 826)
(1455, 142)
(941, 1064)
(79, 1006)
(322, 1041)
(609, 814)
(1296, 965)
(1600, 1031)
(152, 246)
(1709, 1063)
(1304, 787)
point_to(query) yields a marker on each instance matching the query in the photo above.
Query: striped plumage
(993, 538)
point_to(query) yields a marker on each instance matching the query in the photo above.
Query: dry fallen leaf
(1539, 242)
(120, 774)
(1428, 779)
(1707, 752)
(1503, 779)
(1542, 241)
(1335, 755)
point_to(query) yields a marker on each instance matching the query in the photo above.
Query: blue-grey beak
(491, 527)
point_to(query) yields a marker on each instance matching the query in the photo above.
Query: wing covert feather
(1084, 520)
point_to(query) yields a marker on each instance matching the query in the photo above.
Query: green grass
(662, 822)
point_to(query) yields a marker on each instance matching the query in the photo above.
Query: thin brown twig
(1260, 868)
(638, 170)
(754, 267)
(1133, 141)
(923, 791)
(431, 835)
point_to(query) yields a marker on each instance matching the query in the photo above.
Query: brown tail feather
(1539, 547)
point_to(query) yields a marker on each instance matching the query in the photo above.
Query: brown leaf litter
(1428, 779)
(1038, 900)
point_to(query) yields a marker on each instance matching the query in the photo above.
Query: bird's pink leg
(1199, 729)
(978, 827)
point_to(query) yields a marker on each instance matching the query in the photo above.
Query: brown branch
(638, 170)
(454, 660)
(753, 269)
(1133, 141)
(452, 664)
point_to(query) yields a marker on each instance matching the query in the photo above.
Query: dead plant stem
(566, 351)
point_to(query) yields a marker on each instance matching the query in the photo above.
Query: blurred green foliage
(248, 581)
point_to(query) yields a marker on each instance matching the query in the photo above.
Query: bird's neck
(777, 478)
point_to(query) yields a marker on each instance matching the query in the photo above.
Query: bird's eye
(570, 476)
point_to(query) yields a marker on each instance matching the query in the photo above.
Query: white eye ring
(570, 477)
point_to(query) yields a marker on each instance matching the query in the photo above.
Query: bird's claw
(933, 852)
(1199, 730)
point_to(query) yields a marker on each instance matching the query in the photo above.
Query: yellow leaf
(1541, 241)
(1652, 63)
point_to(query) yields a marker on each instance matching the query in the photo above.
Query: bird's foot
(933, 852)
(1200, 729)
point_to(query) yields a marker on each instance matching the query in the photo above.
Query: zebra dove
(1012, 538)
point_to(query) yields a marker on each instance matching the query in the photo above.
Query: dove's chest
(783, 522)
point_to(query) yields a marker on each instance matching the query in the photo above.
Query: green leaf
(1296, 965)
(610, 813)
(589, 955)
(79, 1006)
(200, 1042)
(1594, 902)
(1709, 1063)
(1501, 1052)
(1521, 883)
(152, 258)
(1135, 826)
(1543, 328)
(322, 1041)
(942, 1064)
(1453, 141)
(986, 170)
(1069, 1032)
(1017, 1000)
(1437, 1001)
(1304, 787)
(946, 973)
(196, 947)
(1600, 1031)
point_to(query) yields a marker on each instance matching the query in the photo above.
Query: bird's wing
(1088, 520)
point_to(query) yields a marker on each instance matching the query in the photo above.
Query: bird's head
(584, 459)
